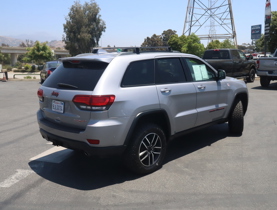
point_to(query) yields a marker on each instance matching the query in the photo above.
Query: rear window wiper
(67, 85)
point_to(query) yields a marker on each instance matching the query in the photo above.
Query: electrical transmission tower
(215, 14)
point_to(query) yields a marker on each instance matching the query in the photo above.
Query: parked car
(48, 69)
(133, 104)
(233, 61)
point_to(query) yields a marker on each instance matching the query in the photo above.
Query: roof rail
(136, 50)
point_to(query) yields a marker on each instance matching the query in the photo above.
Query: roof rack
(136, 50)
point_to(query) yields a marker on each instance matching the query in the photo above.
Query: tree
(22, 44)
(187, 44)
(166, 36)
(154, 41)
(247, 47)
(83, 28)
(259, 44)
(158, 40)
(27, 43)
(39, 53)
(227, 44)
(5, 58)
(271, 41)
(193, 46)
(214, 44)
(176, 42)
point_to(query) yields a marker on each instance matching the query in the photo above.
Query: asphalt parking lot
(208, 169)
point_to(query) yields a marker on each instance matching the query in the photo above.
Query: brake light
(93, 141)
(49, 72)
(93, 103)
(258, 63)
(75, 61)
(40, 94)
(216, 50)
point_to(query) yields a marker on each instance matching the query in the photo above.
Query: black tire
(251, 76)
(236, 119)
(264, 81)
(147, 149)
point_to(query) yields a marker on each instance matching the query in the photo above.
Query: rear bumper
(269, 73)
(82, 146)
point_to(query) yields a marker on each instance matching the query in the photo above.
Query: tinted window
(169, 70)
(139, 73)
(216, 54)
(242, 56)
(199, 70)
(235, 54)
(81, 76)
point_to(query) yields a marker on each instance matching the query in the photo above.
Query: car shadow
(272, 86)
(194, 141)
(88, 173)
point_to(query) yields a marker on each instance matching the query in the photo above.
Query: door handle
(165, 90)
(201, 87)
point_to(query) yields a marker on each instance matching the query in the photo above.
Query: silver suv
(134, 103)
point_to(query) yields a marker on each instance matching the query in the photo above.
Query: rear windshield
(217, 54)
(76, 76)
(53, 65)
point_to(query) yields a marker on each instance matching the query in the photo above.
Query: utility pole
(215, 14)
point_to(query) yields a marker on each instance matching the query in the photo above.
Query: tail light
(49, 72)
(258, 64)
(40, 95)
(93, 103)
(93, 141)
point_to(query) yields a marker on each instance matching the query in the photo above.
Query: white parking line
(54, 155)
(19, 175)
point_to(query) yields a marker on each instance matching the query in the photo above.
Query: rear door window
(169, 70)
(139, 73)
(82, 75)
(235, 54)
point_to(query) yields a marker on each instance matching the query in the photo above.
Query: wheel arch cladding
(158, 117)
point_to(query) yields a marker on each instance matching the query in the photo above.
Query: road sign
(256, 31)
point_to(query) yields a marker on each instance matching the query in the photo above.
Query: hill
(10, 41)
(16, 42)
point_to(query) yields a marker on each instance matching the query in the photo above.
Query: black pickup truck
(233, 61)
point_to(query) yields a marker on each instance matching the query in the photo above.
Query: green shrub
(18, 65)
(27, 67)
(7, 67)
(28, 77)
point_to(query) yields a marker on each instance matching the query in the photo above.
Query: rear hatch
(66, 97)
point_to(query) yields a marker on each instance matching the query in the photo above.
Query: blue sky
(128, 22)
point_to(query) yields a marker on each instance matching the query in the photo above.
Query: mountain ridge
(13, 42)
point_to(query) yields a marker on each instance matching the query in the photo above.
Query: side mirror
(221, 74)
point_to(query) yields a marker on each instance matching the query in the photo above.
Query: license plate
(57, 106)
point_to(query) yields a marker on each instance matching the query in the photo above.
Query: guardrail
(25, 74)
